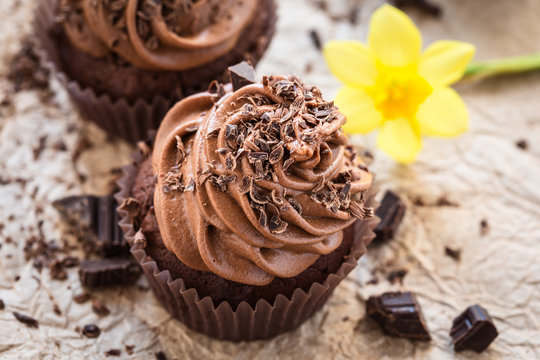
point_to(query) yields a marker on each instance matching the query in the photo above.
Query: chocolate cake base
(119, 79)
(209, 284)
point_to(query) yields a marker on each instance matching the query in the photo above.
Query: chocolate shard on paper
(95, 215)
(398, 314)
(473, 330)
(107, 272)
(391, 212)
(241, 74)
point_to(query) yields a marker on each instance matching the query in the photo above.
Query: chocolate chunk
(91, 331)
(473, 330)
(107, 272)
(391, 213)
(161, 356)
(241, 75)
(422, 5)
(27, 320)
(98, 216)
(453, 253)
(113, 352)
(398, 314)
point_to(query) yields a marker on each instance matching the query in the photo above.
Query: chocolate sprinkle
(398, 314)
(473, 330)
(27, 320)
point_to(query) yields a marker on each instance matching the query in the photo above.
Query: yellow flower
(390, 84)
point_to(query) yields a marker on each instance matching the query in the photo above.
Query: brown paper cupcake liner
(263, 321)
(117, 117)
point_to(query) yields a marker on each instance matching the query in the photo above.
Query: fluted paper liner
(244, 323)
(117, 117)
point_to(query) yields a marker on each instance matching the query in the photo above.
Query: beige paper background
(483, 172)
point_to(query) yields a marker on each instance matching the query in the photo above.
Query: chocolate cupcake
(253, 207)
(125, 62)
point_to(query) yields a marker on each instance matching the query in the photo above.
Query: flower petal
(351, 62)
(443, 114)
(358, 106)
(399, 140)
(444, 62)
(393, 37)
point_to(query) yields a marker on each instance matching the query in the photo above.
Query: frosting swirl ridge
(157, 35)
(259, 184)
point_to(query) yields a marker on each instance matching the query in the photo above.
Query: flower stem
(517, 64)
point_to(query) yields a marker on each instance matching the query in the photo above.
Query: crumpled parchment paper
(481, 175)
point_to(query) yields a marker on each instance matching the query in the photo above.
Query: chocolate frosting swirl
(259, 184)
(157, 34)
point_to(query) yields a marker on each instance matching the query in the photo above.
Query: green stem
(510, 65)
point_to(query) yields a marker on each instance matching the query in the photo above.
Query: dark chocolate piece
(391, 213)
(423, 5)
(473, 330)
(91, 331)
(97, 215)
(398, 314)
(161, 356)
(453, 253)
(2, 305)
(107, 272)
(241, 74)
(27, 320)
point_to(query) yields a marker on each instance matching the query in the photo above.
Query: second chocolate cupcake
(118, 56)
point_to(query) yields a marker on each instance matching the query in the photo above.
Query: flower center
(398, 93)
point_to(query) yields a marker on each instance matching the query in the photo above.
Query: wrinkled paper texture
(482, 174)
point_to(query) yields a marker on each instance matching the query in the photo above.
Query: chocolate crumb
(91, 331)
(26, 72)
(161, 356)
(444, 201)
(453, 253)
(522, 144)
(373, 281)
(27, 320)
(315, 39)
(129, 349)
(57, 270)
(113, 352)
(397, 275)
(2, 305)
(99, 308)
(81, 298)
(484, 227)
